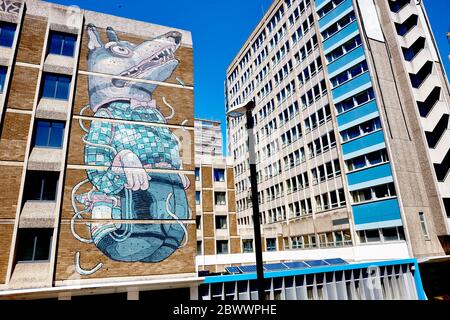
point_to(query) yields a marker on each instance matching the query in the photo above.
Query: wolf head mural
(152, 60)
(129, 189)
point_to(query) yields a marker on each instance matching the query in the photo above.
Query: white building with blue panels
(364, 175)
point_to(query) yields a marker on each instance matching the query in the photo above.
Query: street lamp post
(238, 112)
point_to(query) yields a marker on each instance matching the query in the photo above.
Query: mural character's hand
(128, 163)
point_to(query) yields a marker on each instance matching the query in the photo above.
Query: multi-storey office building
(99, 190)
(208, 138)
(217, 235)
(351, 130)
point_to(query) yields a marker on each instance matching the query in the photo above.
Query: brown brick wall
(182, 261)
(184, 55)
(231, 201)
(212, 269)
(233, 224)
(14, 136)
(208, 225)
(23, 88)
(9, 191)
(6, 231)
(206, 177)
(230, 178)
(208, 201)
(209, 247)
(280, 243)
(235, 245)
(32, 39)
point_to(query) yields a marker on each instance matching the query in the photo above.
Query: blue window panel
(366, 144)
(49, 134)
(296, 265)
(62, 44)
(7, 32)
(335, 262)
(42, 133)
(63, 88)
(370, 177)
(346, 61)
(320, 3)
(352, 87)
(316, 263)
(248, 269)
(335, 14)
(358, 115)
(374, 212)
(56, 86)
(234, 270)
(3, 71)
(49, 86)
(341, 37)
(56, 135)
(275, 267)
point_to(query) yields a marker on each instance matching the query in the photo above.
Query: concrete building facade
(351, 121)
(217, 233)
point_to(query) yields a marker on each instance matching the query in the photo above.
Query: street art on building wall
(126, 152)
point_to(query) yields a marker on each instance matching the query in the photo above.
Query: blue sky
(219, 28)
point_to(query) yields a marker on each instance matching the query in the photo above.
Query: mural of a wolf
(127, 191)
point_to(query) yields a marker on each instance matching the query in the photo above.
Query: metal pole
(255, 203)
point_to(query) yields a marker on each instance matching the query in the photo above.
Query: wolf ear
(112, 35)
(94, 41)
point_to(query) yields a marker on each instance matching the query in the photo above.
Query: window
(221, 222)
(49, 134)
(247, 245)
(219, 175)
(197, 198)
(382, 235)
(222, 246)
(34, 245)
(199, 248)
(198, 222)
(220, 198)
(62, 44)
(368, 160)
(56, 86)
(361, 129)
(3, 71)
(271, 244)
(41, 186)
(7, 31)
(197, 174)
(372, 235)
(374, 193)
(423, 225)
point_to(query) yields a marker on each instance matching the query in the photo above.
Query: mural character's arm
(100, 152)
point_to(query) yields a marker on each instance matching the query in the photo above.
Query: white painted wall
(372, 252)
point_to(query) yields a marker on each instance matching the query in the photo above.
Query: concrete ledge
(5, 56)
(37, 214)
(9, 17)
(45, 159)
(59, 64)
(31, 276)
(52, 109)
